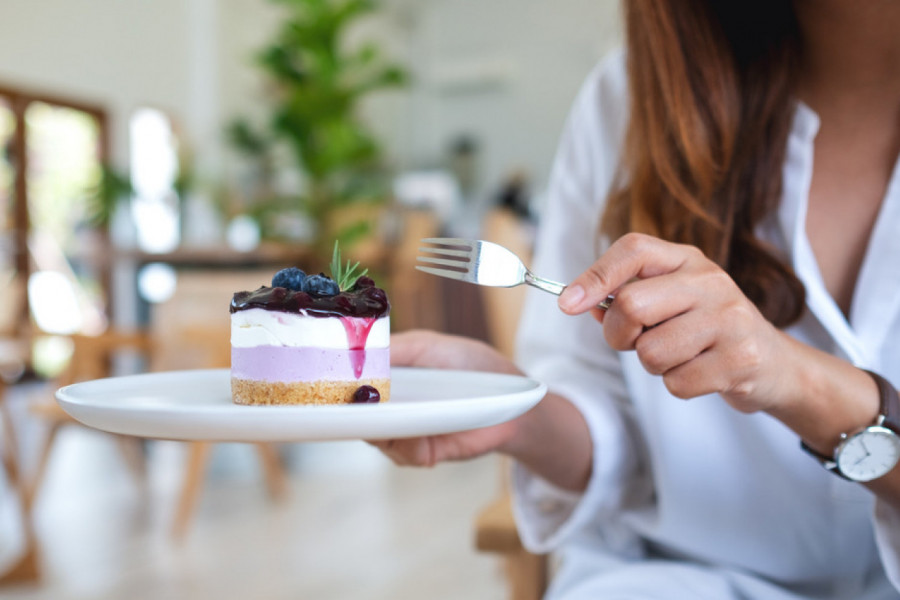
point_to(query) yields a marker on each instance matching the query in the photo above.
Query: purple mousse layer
(287, 364)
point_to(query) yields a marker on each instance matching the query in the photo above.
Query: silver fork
(483, 263)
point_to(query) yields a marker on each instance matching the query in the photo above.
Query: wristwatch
(870, 452)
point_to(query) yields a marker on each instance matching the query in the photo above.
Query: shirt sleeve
(569, 353)
(887, 537)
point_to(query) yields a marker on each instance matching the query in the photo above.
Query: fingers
(730, 367)
(674, 343)
(411, 452)
(684, 316)
(698, 355)
(408, 347)
(695, 377)
(421, 348)
(644, 304)
(632, 255)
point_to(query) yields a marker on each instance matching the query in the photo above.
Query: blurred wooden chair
(415, 296)
(495, 527)
(93, 357)
(503, 306)
(496, 533)
(14, 319)
(25, 567)
(192, 331)
(214, 344)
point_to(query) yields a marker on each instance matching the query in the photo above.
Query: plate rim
(218, 417)
(64, 393)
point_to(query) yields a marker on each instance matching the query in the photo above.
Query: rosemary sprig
(344, 274)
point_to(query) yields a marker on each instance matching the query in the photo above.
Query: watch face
(869, 454)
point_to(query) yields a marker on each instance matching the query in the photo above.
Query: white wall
(116, 54)
(503, 70)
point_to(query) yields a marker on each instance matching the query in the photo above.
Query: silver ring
(606, 303)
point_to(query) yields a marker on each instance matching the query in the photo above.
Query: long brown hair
(711, 84)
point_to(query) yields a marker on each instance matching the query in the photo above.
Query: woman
(739, 166)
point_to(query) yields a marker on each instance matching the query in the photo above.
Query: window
(154, 169)
(53, 246)
(9, 313)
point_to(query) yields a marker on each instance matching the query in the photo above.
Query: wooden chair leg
(132, 451)
(190, 489)
(527, 575)
(26, 568)
(9, 442)
(273, 470)
(495, 533)
(44, 459)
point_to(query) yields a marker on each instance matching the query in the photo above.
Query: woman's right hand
(429, 349)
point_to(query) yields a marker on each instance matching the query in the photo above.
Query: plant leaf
(344, 274)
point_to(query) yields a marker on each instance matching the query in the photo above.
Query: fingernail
(571, 297)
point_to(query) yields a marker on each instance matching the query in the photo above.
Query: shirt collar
(797, 177)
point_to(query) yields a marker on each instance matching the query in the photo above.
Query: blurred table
(215, 257)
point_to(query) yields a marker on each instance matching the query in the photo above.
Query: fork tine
(445, 273)
(446, 252)
(456, 264)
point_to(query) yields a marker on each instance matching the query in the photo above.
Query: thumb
(588, 289)
(408, 347)
(632, 255)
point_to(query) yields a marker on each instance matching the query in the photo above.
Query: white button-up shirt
(692, 499)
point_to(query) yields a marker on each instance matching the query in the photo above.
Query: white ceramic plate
(196, 405)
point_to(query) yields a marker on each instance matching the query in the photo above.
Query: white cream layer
(260, 327)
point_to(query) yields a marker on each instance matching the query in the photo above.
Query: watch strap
(828, 462)
(888, 416)
(889, 403)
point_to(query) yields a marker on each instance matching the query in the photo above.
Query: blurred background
(156, 157)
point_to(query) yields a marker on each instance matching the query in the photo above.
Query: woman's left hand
(687, 320)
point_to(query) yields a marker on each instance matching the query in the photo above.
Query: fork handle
(557, 288)
(545, 284)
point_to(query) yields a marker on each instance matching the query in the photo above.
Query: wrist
(523, 433)
(512, 443)
(826, 397)
(870, 452)
(552, 441)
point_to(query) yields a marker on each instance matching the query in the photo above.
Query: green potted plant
(317, 84)
(103, 199)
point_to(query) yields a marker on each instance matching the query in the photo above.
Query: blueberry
(364, 282)
(291, 278)
(320, 285)
(374, 294)
(366, 394)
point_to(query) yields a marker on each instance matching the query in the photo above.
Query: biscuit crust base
(271, 393)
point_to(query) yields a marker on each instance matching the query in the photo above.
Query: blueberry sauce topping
(366, 394)
(316, 297)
